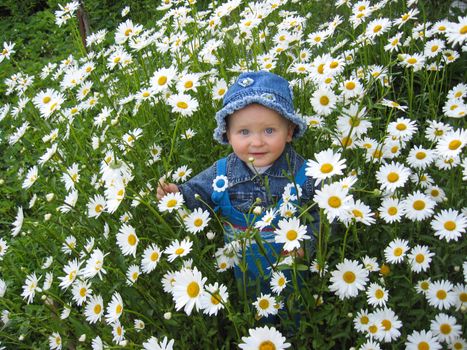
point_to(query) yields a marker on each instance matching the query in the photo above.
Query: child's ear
(290, 131)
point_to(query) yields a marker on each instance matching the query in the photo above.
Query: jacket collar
(238, 171)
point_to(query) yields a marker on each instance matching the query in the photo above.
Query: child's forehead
(256, 116)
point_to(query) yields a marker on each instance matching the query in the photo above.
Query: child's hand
(164, 188)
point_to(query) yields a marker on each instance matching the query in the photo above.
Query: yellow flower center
(128, 32)
(445, 328)
(198, 222)
(357, 213)
(281, 282)
(405, 17)
(441, 294)
(182, 105)
(454, 144)
(215, 299)
(263, 304)
(46, 99)
(146, 94)
(326, 168)
(386, 324)
(372, 329)
(291, 235)
(334, 202)
(392, 211)
(398, 251)
(463, 297)
(324, 100)
(346, 141)
(154, 256)
(420, 155)
(393, 177)
(171, 203)
(423, 345)
(349, 277)
(377, 28)
(162, 80)
(192, 289)
(418, 205)
(267, 345)
(364, 319)
(334, 64)
(424, 285)
(354, 121)
(97, 309)
(350, 85)
(434, 48)
(134, 276)
(321, 68)
(117, 59)
(450, 225)
(420, 258)
(119, 309)
(463, 30)
(179, 251)
(401, 127)
(131, 239)
(82, 292)
(379, 294)
(412, 60)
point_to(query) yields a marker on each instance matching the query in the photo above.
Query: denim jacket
(244, 186)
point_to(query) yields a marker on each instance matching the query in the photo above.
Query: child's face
(260, 133)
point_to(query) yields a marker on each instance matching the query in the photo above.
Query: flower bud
(257, 210)
(168, 315)
(49, 196)
(47, 216)
(82, 338)
(210, 235)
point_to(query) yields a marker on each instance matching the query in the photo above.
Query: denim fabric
(245, 186)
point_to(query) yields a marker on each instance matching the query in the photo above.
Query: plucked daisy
(213, 298)
(94, 309)
(326, 165)
(392, 176)
(278, 282)
(334, 200)
(396, 251)
(422, 340)
(440, 294)
(449, 224)
(348, 279)
(151, 257)
(178, 249)
(420, 258)
(376, 295)
(291, 233)
(171, 202)
(418, 206)
(114, 309)
(127, 240)
(264, 338)
(188, 289)
(197, 220)
(391, 210)
(445, 327)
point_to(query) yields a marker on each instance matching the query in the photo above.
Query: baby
(258, 120)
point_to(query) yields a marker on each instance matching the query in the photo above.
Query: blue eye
(269, 130)
(244, 131)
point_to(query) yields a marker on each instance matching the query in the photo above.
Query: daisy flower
(197, 221)
(422, 340)
(348, 279)
(94, 309)
(451, 143)
(396, 250)
(420, 158)
(291, 233)
(440, 295)
(436, 193)
(188, 82)
(390, 325)
(278, 282)
(81, 291)
(162, 78)
(154, 344)
(96, 206)
(449, 224)
(402, 129)
(178, 249)
(219, 89)
(30, 287)
(187, 290)
(171, 202)
(361, 321)
(323, 101)
(433, 47)
(18, 223)
(326, 165)
(72, 270)
(445, 327)
(31, 177)
(370, 345)
(376, 295)
(377, 27)
(114, 309)
(183, 104)
(94, 265)
(151, 257)
(118, 332)
(264, 338)
(405, 17)
(460, 290)
(420, 258)
(213, 298)
(55, 341)
(360, 212)
(456, 32)
(127, 240)
(132, 274)
(394, 43)
(423, 286)
(334, 200)
(265, 305)
(418, 206)
(392, 176)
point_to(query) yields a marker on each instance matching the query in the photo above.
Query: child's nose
(257, 140)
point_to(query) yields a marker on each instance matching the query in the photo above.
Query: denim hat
(267, 89)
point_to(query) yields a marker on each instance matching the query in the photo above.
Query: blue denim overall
(260, 253)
